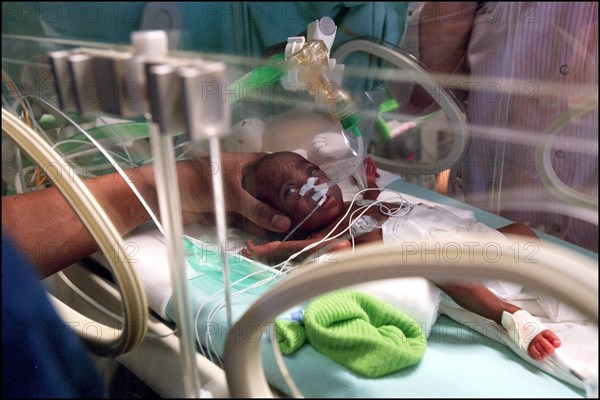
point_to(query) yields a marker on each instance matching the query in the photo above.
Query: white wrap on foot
(522, 327)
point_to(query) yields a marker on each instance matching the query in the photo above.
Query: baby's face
(281, 180)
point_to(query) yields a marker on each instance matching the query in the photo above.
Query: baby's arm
(276, 252)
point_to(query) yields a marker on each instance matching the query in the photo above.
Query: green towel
(358, 331)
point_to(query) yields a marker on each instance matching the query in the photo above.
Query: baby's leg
(479, 299)
(546, 341)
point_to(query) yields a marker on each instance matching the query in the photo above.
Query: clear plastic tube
(312, 62)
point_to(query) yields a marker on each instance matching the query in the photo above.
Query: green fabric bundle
(358, 331)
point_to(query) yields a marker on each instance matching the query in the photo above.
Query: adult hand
(195, 181)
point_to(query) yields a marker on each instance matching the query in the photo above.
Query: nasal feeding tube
(320, 195)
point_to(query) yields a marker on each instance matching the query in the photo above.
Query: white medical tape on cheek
(522, 327)
(310, 183)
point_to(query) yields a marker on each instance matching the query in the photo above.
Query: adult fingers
(263, 215)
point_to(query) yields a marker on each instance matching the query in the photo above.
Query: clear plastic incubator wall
(430, 126)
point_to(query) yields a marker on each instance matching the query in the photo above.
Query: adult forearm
(51, 234)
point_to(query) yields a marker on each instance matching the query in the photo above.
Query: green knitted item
(290, 335)
(360, 332)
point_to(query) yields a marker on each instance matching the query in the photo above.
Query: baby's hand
(543, 345)
(372, 175)
(370, 169)
(263, 252)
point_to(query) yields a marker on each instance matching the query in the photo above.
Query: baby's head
(276, 179)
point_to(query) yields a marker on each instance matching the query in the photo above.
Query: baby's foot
(521, 326)
(543, 345)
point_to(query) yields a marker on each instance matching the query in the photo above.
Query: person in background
(524, 65)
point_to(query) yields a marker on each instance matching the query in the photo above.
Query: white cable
(319, 204)
(283, 264)
(219, 305)
(208, 339)
(100, 307)
(105, 153)
(116, 134)
(103, 232)
(87, 298)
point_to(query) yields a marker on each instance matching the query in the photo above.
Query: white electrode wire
(63, 277)
(31, 169)
(87, 152)
(319, 204)
(87, 298)
(363, 209)
(108, 156)
(256, 284)
(219, 305)
(116, 134)
(241, 291)
(20, 177)
(208, 339)
(128, 160)
(283, 264)
(353, 220)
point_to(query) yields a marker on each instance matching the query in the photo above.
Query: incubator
(179, 300)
